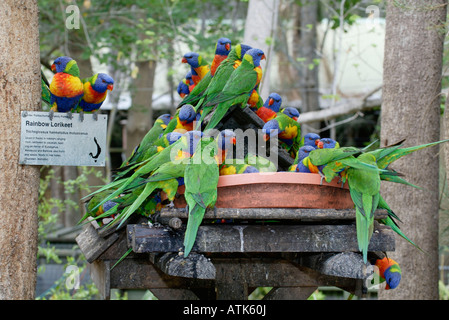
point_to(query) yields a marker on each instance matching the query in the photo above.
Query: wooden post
(20, 90)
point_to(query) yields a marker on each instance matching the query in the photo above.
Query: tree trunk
(19, 184)
(305, 47)
(411, 110)
(260, 27)
(140, 115)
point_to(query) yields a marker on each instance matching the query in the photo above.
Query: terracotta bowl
(277, 190)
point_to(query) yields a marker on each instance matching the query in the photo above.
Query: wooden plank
(299, 214)
(142, 274)
(174, 294)
(343, 264)
(289, 293)
(260, 238)
(91, 244)
(195, 266)
(234, 277)
(99, 273)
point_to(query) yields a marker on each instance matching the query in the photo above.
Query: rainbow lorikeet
(222, 49)
(335, 162)
(183, 89)
(95, 92)
(149, 139)
(201, 179)
(199, 67)
(66, 87)
(287, 130)
(228, 169)
(165, 177)
(139, 159)
(302, 162)
(385, 156)
(185, 118)
(221, 76)
(270, 107)
(328, 143)
(260, 163)
(46, 94)
(364, 188)
(146, 167)
(389, 272)
(291, 112)
(310, 139)
(239, 86)
(93, 202)
(255, 101)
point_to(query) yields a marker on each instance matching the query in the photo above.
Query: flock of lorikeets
(178, 150)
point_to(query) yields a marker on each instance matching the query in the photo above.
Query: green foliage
(117, 30)
(48, 210)
(443, 291)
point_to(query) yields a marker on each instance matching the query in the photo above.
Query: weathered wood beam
(91, 244)
(299, 214)
(289, 293)
(195, 266)
(259, 238)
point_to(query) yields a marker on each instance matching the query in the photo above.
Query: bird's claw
(171, 205)
(81, 116)
(322, 177)
(51, 114)
(70, 115)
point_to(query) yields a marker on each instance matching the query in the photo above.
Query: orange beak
(263, 57)
(320, 145)
(184, 60)
(182, 95)
(228, 46)
(233, 140)
(53, 67)
(270, 102)
(266, 137)
(295, 118)
(110, 87)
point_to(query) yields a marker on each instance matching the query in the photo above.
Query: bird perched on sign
(66, 87)
(95, 92)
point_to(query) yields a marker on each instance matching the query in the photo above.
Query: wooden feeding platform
(293, 246)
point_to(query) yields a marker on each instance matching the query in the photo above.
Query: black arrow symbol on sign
(98, 150)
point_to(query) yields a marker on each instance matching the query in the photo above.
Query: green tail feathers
(196, 215)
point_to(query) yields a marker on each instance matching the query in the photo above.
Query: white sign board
(62, 141)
